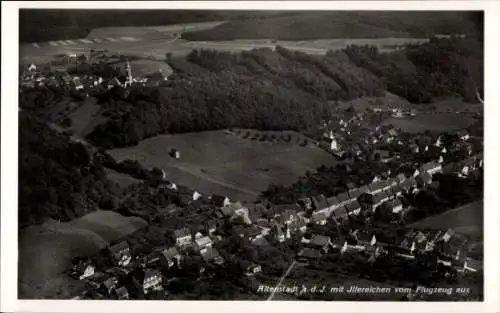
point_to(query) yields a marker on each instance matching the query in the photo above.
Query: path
(271, 296)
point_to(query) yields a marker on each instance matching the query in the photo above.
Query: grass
(146, 67)
(46, 251)
(466, 219)
(432, 121)
(228, 164)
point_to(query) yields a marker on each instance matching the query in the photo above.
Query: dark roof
(376, 186)
(151, 273)
(332, 201)
(393, 203)
(309, 253)
(353, 206)
(319, 217)
(400, 177)
(119, 247)
(425, 176)
(122, 291)
(379, 197)
(319, 202)
(319, 240)
(340, 211)
(342, 197)
(170, 253)
(253, 231)
(355, 193)
(217, 200)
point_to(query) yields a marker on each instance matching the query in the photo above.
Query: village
(314, 226)
(307, 224)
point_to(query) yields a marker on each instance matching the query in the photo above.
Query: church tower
(130, 79)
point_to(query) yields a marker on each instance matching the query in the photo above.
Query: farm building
(121, 253)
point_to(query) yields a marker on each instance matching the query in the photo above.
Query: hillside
(280, 89)
(315, 25)
(60, 24)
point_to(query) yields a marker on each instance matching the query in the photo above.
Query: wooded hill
(283, 89)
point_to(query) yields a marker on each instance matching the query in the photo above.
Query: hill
(46, 250)
(315, 25)
(37, 25)
(281, 89)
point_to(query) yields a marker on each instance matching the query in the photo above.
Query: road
(271, 296)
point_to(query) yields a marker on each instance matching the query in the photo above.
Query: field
(465, 219)
(146, 67)
(432, 121)
(46, 250)
(226, 163)
(388, 101)
(123, 180)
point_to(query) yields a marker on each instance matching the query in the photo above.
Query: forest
(57, 178)
(282, 89)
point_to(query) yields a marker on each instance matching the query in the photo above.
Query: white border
(9, 123)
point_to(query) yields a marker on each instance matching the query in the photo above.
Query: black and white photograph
(250, 154)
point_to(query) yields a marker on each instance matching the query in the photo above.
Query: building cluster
(32, 77)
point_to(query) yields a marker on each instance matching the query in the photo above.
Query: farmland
(146, 67)
(466, 219)
(432, 121)
(239, 164)
(46, 250)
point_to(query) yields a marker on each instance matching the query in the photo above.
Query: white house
(182, 236)
(196, 195)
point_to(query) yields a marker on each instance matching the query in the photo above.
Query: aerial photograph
(250, 155)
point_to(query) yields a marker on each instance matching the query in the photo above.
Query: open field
(387, 102)
(226, 163)
(46, 251)
(156, 41)
(432, 121)
(123, 180)
(466, 219)
(146, 67)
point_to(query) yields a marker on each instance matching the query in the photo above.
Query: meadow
(239, 164)
(466, 219)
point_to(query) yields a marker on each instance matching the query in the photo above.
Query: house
(278, 233)
(376, 187)
(408, 184)
(121, 253)
(414, 148)
(254, 232)
(423, 179)
(378, 199)
(196, 195)
(306, 203)
(170, 257)
(203, 243)
(431, 168)
(319, 202)
(344, 199)
(320, 242)
(308, 255)
(319, 218)
(350, 248)
(471, 265)
(211, 227)
(83, 270)
(383, 155)
(364, 238)
(403, 253)
(394, 205)
(353, 208)
(400, 178)
(182, 236)
(252, 269)
(299, 225)
(122, 293)
(392, 132)
(212, 255)
(355, 193)
(148, 280)
(109, 285)
(219, 201)
(333, 203)
(463, 135)
(339, 213)
(288, 215)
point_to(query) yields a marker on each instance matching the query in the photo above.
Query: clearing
(467, 219)
(239, 164)
(46, 251)
(146, 67)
